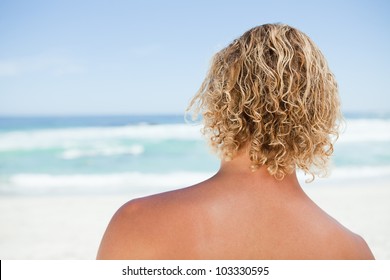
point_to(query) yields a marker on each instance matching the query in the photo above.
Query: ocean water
(147, 154)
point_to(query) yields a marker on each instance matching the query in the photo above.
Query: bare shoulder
(341, 243)
(123, 230)
(147, 228)
(355, 247)
(338, 242)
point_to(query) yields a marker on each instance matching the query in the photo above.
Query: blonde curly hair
(271, 91)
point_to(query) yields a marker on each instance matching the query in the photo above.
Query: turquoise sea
(143, 154)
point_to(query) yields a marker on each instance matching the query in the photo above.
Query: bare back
(230, 216)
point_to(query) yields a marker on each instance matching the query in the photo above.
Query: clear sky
(149, 57)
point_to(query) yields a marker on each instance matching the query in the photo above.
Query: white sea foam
(102, 150)
(352, 173)
(366, 130)
(70, 137)
(131, 182)
(348, 172)
(145, 183)
(357, 130)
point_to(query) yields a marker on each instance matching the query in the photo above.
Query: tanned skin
(236, 214)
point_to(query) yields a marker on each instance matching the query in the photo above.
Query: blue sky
(149, 57)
